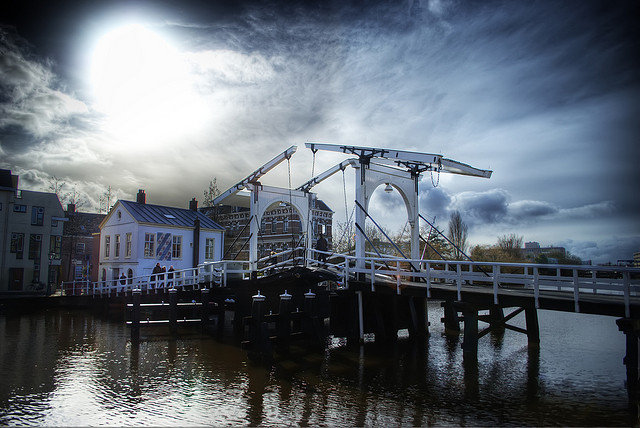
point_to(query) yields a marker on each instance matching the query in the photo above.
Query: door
(16, 276)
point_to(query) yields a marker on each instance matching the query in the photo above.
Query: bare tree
(211, 193)
(75, 197)
(458, 232)
(511, 246)
(209, 196)
(105, 200)
(55, 186)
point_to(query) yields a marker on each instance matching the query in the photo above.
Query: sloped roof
(83, 224)
(320, 205)
(160, 214)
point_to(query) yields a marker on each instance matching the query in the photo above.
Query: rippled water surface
(70, 368)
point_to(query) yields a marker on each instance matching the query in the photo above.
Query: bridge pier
(450, 319)
(631, 329)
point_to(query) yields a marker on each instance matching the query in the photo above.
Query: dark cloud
(544, 93)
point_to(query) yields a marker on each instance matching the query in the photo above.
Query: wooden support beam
(451, 320)
(470, 339)
(533, 328)
(631, 329)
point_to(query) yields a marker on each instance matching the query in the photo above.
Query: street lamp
(52, 255)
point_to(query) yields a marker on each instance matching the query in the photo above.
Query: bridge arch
(404, 182)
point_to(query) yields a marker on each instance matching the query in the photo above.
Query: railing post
(360, 316)
(576, 290)
(428, 268)
(536, 286)
(459, 285)
(373, 275)
(496, 273)
(627, 293)
(398, 277)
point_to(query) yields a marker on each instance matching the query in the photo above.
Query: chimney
(193, 205)
(142, 197)
(71, 208)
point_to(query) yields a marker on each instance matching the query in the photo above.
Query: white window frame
(176, 247)
(116, 244)
(127, 245)
(210, 249)
(149, 245)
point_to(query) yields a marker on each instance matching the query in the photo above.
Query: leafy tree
(458, 233)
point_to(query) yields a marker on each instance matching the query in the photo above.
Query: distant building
(533, 249)
(636, 259)
(135, 236)
(31, 225)
(79, 261)
(280, 228)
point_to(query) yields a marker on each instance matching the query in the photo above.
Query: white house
(134, 236)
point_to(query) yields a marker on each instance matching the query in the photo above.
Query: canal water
(71, 368)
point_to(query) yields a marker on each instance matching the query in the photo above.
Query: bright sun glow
(143, 86)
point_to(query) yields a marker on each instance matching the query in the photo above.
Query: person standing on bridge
(156, 269)
(123, 281)
(321, 245)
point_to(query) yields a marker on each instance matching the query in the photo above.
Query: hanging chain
(435, 183)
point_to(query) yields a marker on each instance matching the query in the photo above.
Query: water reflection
(61, 368)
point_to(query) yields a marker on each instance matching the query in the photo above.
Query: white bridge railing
(574, 280)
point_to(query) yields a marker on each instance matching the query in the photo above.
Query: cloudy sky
(164, 96)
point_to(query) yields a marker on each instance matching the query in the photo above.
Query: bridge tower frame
(399, 169)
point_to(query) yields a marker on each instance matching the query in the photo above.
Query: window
(55, 246)
(117, 246)
(285, 225)
(37, 216)
(19, 208)
(35, 247)
(273, 226)
(176, 249)
(54, 222)
(107, 244)
(17, 244)
(149, 245)
(209, 249)
(127, 246)
(80, 248)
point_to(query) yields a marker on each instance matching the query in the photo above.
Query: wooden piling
(470, 339)
(309, 327)
(533, 328)
(258, 334)
(205, 311)
(135, 315)
(283, 322)
(451, 320)
(173, 311)
(631, 329)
